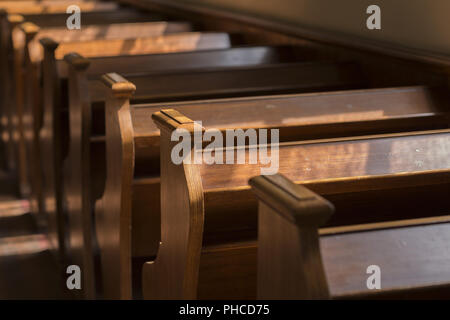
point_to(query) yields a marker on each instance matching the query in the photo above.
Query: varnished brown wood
(80, 144)
(51, 138)
(289, 216)
(413, 260)
(242, 112)
(251, 76)
(413, 162)
(55, 20)
(159, 44)
(110, 218)
(181, 242)
(32, 114)
(227, 257)
(376, 112)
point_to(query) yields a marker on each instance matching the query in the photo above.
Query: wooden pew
(208, 214)
(160, 86)
(381, 110)
(81, 114)
(298, 260)
(89, 18)
(32, 108)
(176, 42)
(17, 147)
(52, 89)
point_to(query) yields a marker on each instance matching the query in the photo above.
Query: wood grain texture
(216, 114)
(410, 258)
(422, 166)
(401, 105)
(28, 52)
(113, 211)
(32, 116)
(174, 273)
(413, 259)
(141, 222)
(188, 41)
(289, 258)
(212, 84)
(245, 81)
(361, 157)
(115, 31)
(52, 135)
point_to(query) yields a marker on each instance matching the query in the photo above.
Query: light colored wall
(422, 24)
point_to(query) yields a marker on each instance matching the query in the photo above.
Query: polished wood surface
(363, 157)
(234, 76)
(411, 163)
(214, 58)
(289, 216)
(85, 139)
(180, 247)
(146, 138)
(56, 120)
(247, 80)
(412, 259)
(86, 118)
(16, 145)
(113, 226)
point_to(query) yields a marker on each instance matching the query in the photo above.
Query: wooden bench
(298, 260)
(8, 43)
(209, 82)
(52, 92)
(370, 111)
(176, 42)
(32, 108)
(208, 214)
(50, 20)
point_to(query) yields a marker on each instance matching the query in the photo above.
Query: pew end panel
(52, 139)
(288, 221)
(32, 119)
(411, 256)
(113, 210)
(76, 174)
(174, 273)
